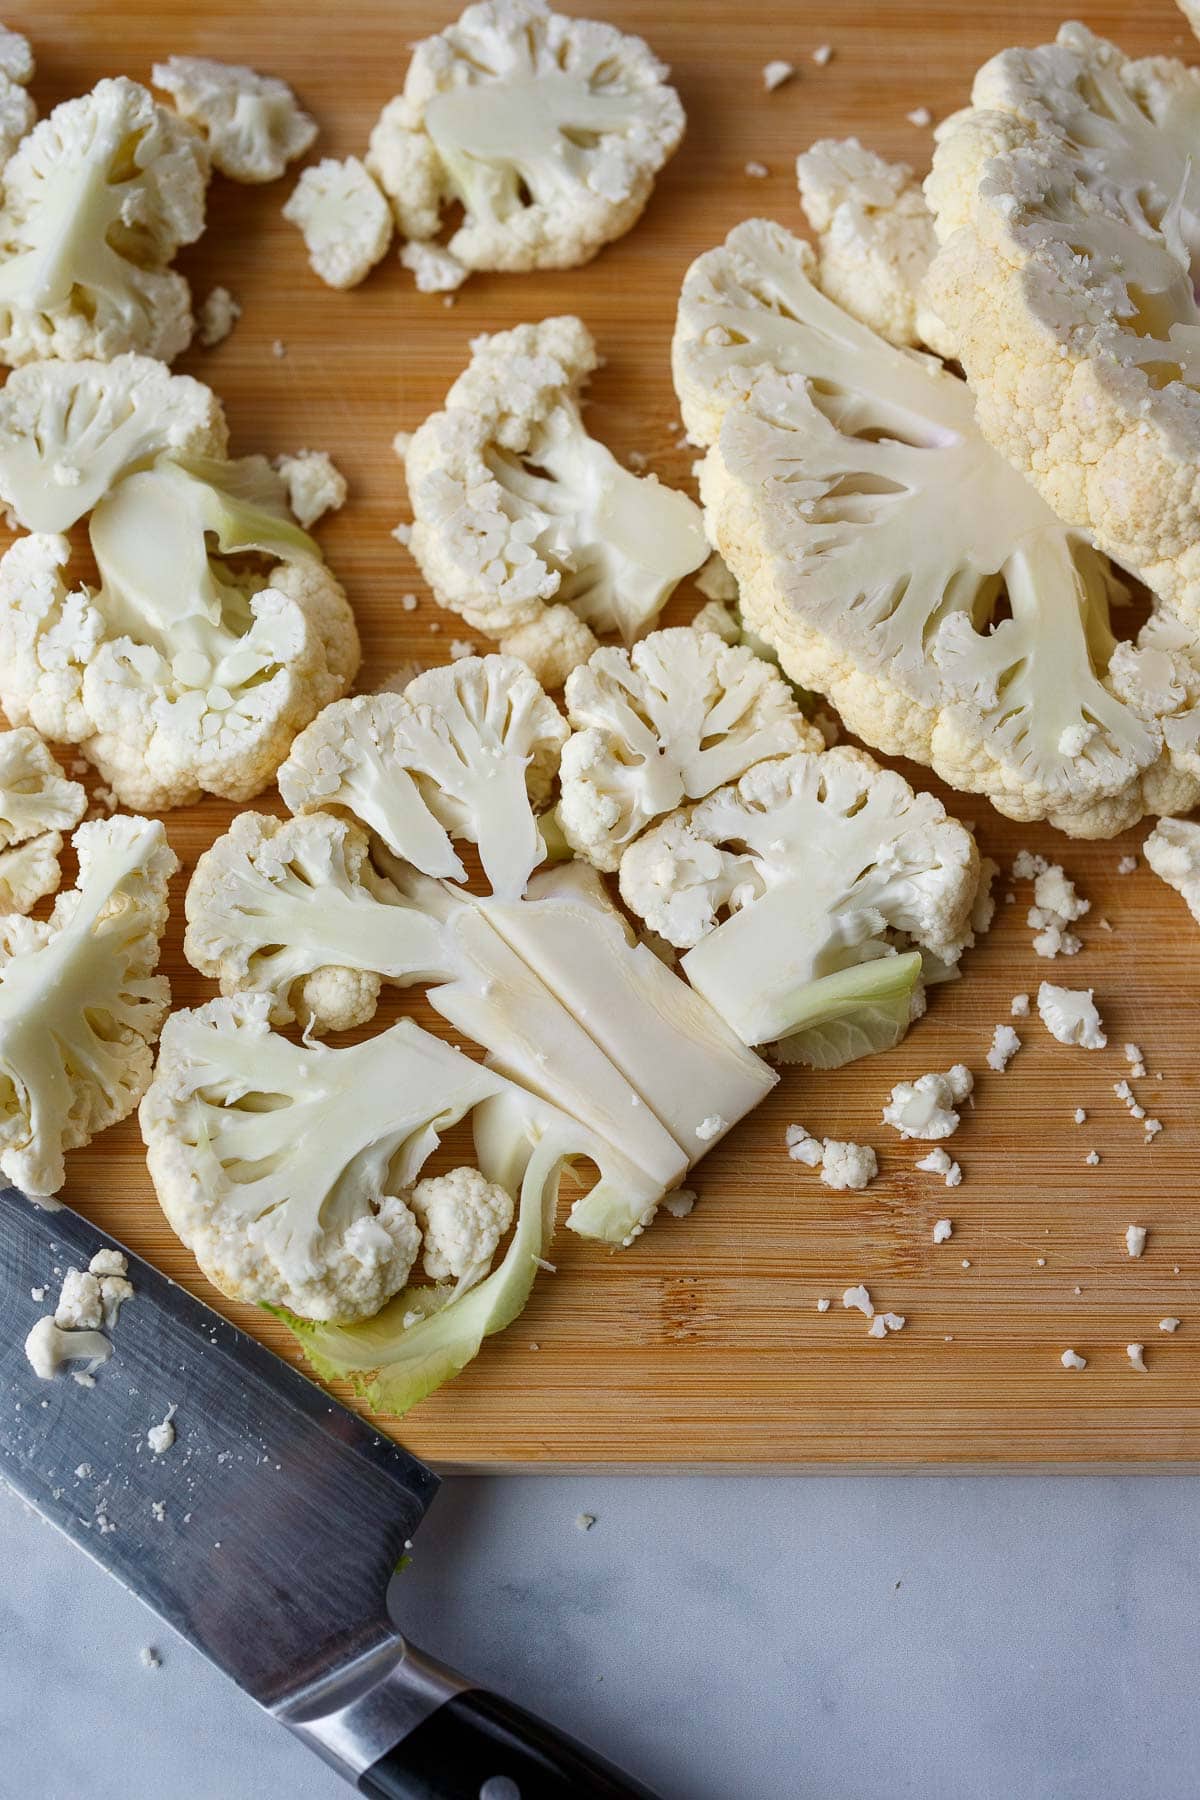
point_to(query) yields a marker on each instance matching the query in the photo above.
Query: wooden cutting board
(702, 1345)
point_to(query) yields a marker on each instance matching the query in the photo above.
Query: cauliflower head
(468, 751)
(96, 201)
(1173, 852)
(814, 864)
(463, 1216)
(215, 635)
(547, 130)
(70, 430)
(344, 219)
(515, 506)
(80, 1004)
(680, 714)
(1067, 205)
(830, 457)
(253, 125)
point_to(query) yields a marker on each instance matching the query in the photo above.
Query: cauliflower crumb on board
(1080, 1115)
(757, 171)
(1019, 1008)
(1135, 1239)
(1004, 1046)
(883, 1323)
(823, 1305)
(859, 1298)
(1127, 865)
(461, 648)
(776, 73)
(433, 269)
(943, 1230)
(219, 313)
(1071, 1359)
(1137, 1356)
(919, 116)
(1070, 1015)
(1136, 1061)
(823, 55)
(926, 1108)
(940, 1162)
(680, 1203)
(1092, 1159)
(843, 1165)
(1056, 905)
(1169, 1324)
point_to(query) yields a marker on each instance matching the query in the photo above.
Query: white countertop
(726, 1638)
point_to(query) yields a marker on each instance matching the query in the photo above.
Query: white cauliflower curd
(96, 201)
(462, 1216)
(17, 110)
(547, 130)
(252, 123)
(1173, 852)
(80, 1004)
(37, 804)
(518, 513)
(928, 1107)
(344, 219)
(1067, 205)
(896, 562)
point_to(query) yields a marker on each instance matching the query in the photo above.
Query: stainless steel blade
(283, 1515)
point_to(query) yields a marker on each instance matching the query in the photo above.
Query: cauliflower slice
(253, 124)
(781, 887)
(97, 200)
(1070, 1015)
(17, 111)
(1173, 852)
(1067, 205)
(927, 1107)
(80, 1004)
(37, 804)
(830, 458)
(315, 485)
(874, 234)
(668, 721)
(548, 130)
(70, 430)
(185, 671)
(28, 872)
(345, 220)
(514, 504)
(463, 1217)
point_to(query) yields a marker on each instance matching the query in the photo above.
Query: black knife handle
(479, 1747)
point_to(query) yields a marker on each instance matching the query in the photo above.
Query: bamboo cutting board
(702, 1345)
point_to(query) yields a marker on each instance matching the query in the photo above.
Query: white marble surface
(727, 1638)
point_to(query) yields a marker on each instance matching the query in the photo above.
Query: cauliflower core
(548, 130)
(251, 123)
(97, 200)
(1067, 204)
(37, 804)
(668, 721)
(894, 559)
(515, 506)
(344, 219)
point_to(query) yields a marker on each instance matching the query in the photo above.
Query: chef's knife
(266, 1536)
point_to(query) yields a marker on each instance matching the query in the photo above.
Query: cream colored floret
(344, 220)
(315, 485)
(253, 124)
(462, 1216)
(219, 314)
(1173, 852)
(17, 110)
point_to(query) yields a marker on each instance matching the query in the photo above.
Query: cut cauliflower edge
(1067, 204)
(252, 124)
(548, 130)
(518, 512)
(830, 456)
(185, 671)
(37, 804)
(96, 201)
(80, 1004)
(793, 892)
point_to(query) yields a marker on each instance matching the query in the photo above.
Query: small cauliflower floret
(1173, 852)
(97, 200)
(315, 485)
(70, 430)
(37, 804)
(218, 315)
(17, 111)
(844, 1166)
(434, 270)
(467, 751)
(253, 125)
(463, 1216)
(874, 234)
(80, 1004)
(1004, 1046)
(668, 721)
(515, 506)
(790, 890)
(215, 635)
(927, 1108)
(48, 1348)
(975, 638)
(28, 872)
(1067, 204)
(80, 1307)
(1056, 906)
(1070, 1015)
(548, 130)
(343, 218)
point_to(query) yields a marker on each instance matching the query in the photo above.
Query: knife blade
(266, 1536)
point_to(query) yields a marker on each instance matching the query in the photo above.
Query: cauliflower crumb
(38, 1294)
(882, 1323)
(278, 349)
(1070, 1015)
(433, 269)
(1071, 1359)
(1127, 865)
(150, 1658)
(402, 534)
(709, 1128)
(1124, 1092)
(1169, 1324)
(1020, 1006)
(758, 171)
(939, 1162)
(1092, 1159)
(1005, 1044)
(1151, 1127)
(1135, 1239)
(584, 1521)
(860, 1298)
(1056, 905)
(108, 1262)
(1137, 1356)
(776, 73)
(1137, 1065)
(315, 485)
(847, 1165)
(925, 1108)
(943, 1230)
(218, 315)
(680, 1203)
(1080, 1116)
(1027, 865)
(460, 648)
(409, 603)
(822, 1305)
(823, 55)
(79, 1306)
(161, 1437)
(919, 116)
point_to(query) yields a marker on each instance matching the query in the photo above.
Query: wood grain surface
(702, 1345)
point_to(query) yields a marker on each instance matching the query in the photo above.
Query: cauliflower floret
(79, 1305)
(463, 1217)
(96, 201)
(548, 130)
(844, 1166)
(183, 672)
(252, 124)
(514, 505)
(668, 721)
(1173, 852)
(1056, 905)
(874, 234)
(1066, 199)
(344, 219)
(927, 1108)
(218, 315)
(830, 457)
(789, 889)
(434, 270)
(1004, 1046)
(28, 872)
(552, 644)
(467, 751)
(17, 111)
(80, 1004)
(70, 430)
(1070, 1015)
(37, 804)
(315, 485)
